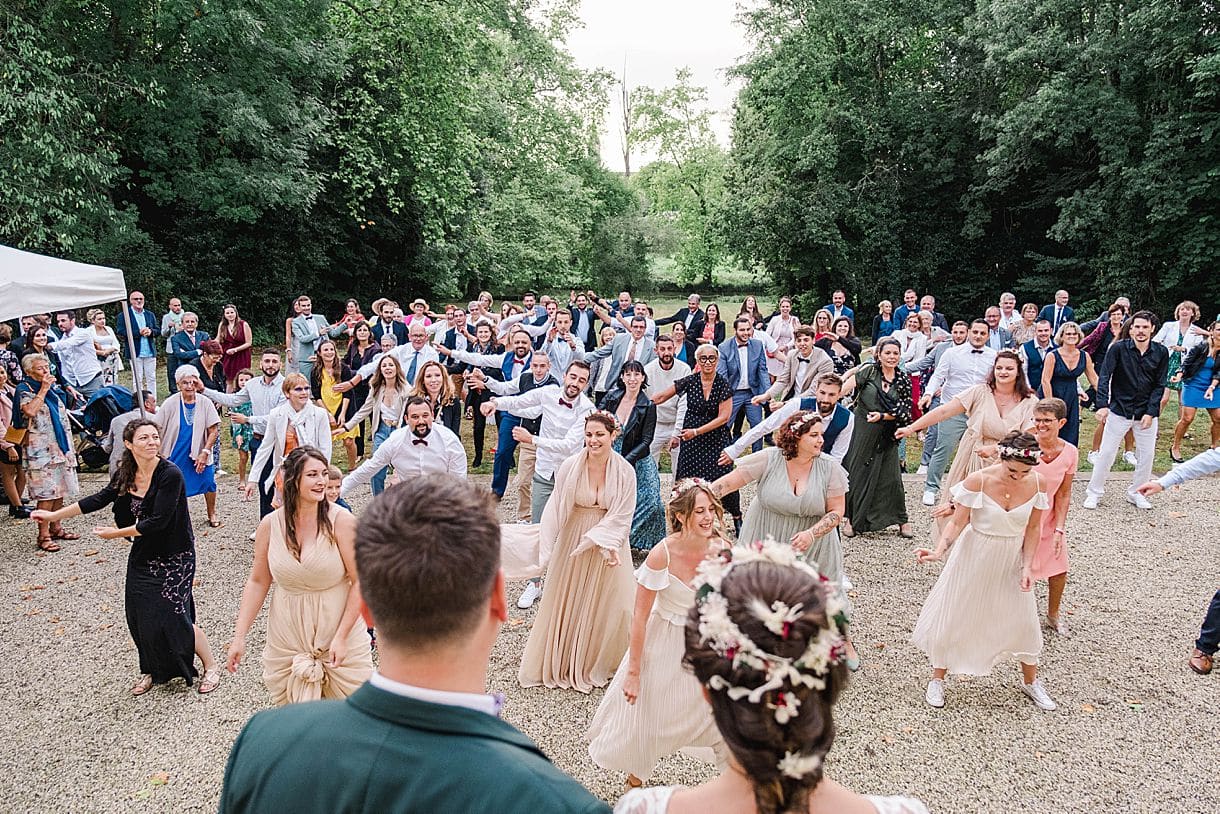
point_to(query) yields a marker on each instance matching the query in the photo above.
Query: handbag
(15, 436)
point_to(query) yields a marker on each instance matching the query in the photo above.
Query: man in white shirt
(999, 336)
(411, 358)
(77, 356)
(1009, 316)
(561, 345)
(634, 346)
(562, 409)
(420, 447)
(263, 394)
(825, 398)
(661, 373)
(961, 367)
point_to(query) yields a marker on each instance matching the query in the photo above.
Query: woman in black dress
(485, 345)
(705, 432)
(360, 351)
(149, 499)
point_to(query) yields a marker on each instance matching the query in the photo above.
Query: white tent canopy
(36, 284)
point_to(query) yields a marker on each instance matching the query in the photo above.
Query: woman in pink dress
(1058, 470)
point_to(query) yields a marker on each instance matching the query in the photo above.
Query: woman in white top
(1178, 336)
(385, 407)
(106, 344)
(767, 646)
(912, 341)
(781, 328)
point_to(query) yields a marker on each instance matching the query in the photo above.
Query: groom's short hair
(427, 554)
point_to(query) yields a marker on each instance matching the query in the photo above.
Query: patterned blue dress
(648, 522)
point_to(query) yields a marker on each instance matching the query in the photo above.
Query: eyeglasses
(1045, 420)
(300, 390)
(703, 360)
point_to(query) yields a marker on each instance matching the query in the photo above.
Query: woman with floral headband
(654, 706)
(982, 607)
(765, 641)
(800, 500)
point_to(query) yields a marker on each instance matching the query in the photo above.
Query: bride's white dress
(976, 614)
(656, 800)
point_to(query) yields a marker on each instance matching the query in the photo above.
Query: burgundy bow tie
(563, 403)
(423, 441)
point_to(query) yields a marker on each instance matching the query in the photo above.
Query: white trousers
(1112, 441)
(660, 440)
(145, 371)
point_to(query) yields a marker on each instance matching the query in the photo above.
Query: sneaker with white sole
(935, 696)
(1093, 457)
(1091, 501)
(1130, 458)
(1138, 501)
(922, 470)
(530, 595)
(929, 498)
(1038, 694)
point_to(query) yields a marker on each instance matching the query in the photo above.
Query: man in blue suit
(838, 306)
(422, 734)
(1058, 312)
(743, 364)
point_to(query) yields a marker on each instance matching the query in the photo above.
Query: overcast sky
(656, 37)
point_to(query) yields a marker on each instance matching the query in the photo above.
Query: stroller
(92, 423)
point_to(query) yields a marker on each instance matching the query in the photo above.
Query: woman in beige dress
(654, 707)
(583, 623)
(1000, 405)
(314, 648)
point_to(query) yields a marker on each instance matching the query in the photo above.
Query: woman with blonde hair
(385, 407)
(106, 344)
(434, 384)
(654, 707)
(314, 646)
(883, 322)
(1179, 335)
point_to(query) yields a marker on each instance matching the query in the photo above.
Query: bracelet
(1061, 531)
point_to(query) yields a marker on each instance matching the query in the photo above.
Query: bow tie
(801, 360)
(976, 350)
(418, 441)
(563, 403)
(740, 345)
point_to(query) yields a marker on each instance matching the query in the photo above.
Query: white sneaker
(1130, 458)
(929, 497)
(1093, 457)
(1091, 501)
(935, 696)
(1038, 694)
(1138, 501)
(221, 473)
(251, 537)
(922, 470)
(847, 583)
(530, 595)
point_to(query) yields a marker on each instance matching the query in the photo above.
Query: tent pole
(131, 349)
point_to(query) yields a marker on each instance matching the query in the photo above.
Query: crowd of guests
(747, 606)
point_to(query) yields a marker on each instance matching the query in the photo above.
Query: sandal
(214, 523)
(1176, 457)
(904, 530)
(142, 685)
(210, 681)
(46, 544)
(60, 534)
(1200, 662)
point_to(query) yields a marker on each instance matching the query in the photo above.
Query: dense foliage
(248, 150)
(966, 148)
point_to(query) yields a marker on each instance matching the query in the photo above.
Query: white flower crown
(685, 485)
(806, 419)
(1029, 456)
(718, 630)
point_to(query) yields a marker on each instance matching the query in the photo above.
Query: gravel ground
(1133, 728)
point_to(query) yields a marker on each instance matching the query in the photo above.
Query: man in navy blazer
(145, 328)
(838, 306)
(583, 320)
(184, 347)
(1058, 312)
(692, 316)
(747, 382)
(387, 324)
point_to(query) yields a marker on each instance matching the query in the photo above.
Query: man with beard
(837, 421)
(562, 410)
(662, 372)
(511, 364)
(420, 447)
(263, 394)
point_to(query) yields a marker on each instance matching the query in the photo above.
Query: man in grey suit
(999, 337)
(802, 368)
(743, 364)
(627, 347)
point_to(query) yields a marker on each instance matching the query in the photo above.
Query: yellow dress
(306, 606)
(333, 401)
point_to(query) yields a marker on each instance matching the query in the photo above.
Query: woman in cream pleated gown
(655, 707)
(583, 622)
(314, 648)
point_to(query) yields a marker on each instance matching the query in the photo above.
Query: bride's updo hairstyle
(766, 639)
(1021, 447)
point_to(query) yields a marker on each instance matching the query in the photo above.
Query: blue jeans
(741, 400)
(378, 482)
(506, 445)
(949, 434)
(929, 438)
(1209, 636)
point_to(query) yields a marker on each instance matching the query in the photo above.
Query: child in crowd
(243, 434)
(332, 487)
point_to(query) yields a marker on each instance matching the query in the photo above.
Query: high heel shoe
(1177, 459)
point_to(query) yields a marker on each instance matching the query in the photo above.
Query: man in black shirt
(1129, 388)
